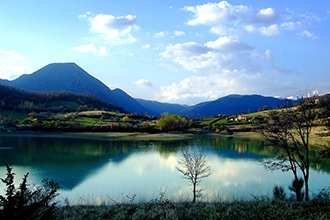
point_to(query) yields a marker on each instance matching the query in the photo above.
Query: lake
(106, 170)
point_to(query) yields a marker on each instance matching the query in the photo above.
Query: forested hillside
(12, 99)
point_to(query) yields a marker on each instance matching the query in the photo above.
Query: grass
(165, 209)
(12, 115)
(86, 121)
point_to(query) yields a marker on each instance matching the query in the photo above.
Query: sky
(183, 52)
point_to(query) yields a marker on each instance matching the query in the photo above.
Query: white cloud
(265, 16)
(190, 55)
(116, 30)
(226, 19)
(12, 64)
(223, 53)
(196, 89)
(212, 13)
(307, 34)
(160, 34)
(224, 30)
(179, 33)
(250, 28)
(86, 48)
(228, 44)
(227, 64)
(223, 66)
(193, 90)
(146, 46)
(267, 12)
(91, 48)
(207, 87)
(143, 83)
(270, 30)
(85, 16)
(291, 25)
(12, 54)
(103, 51)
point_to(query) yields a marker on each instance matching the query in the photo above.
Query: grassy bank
(164, 209)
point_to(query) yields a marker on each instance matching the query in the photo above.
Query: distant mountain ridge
(159, 107)
(235, 104)
(69, 77)
(228, 105)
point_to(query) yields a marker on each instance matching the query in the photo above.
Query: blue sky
(174, 51)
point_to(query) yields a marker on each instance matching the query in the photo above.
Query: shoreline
(127, 135)
(316, 138)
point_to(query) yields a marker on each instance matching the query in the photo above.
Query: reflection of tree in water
(166, 148)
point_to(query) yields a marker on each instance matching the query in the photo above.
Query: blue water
(109, 170)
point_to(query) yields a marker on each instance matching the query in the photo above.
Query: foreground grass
(164, 209)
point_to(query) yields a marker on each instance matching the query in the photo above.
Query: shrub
(25, 202)
(278, 193)
(172, 122)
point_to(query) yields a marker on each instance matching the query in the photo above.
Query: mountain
(228, 105)
(69, 77)
(158, 108)
(122, 99)
(235, 104)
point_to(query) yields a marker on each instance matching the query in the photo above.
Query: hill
(16, 100)
(69, 77)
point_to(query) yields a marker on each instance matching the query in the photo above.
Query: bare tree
(194, 167)
(325, 114)
(289, 131)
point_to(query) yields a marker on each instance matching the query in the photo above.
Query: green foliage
(170, 122)
(125, 118)
(50, 125)
(25, 202)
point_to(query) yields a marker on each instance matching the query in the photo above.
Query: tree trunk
(194, 192)
(306, 188)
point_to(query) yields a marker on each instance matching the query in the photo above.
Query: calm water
(107, 170)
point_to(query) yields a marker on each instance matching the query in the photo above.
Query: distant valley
(69, 77)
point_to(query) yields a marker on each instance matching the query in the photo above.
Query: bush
(25, 202)
(172, 122)
(278, 193)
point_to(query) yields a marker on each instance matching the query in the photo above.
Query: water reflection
(113, 169)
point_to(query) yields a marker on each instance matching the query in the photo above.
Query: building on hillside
(243, 118)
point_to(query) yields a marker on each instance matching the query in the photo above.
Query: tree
(194, 167)
(125, 118)
(172, 122)
(25, 202)
(325, 114)
(325, 104)
(289, 131)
